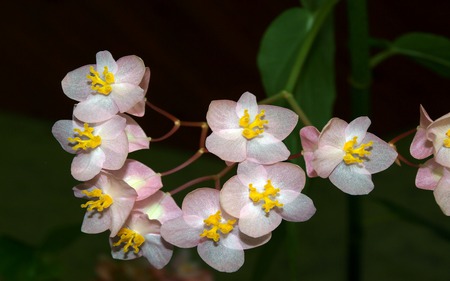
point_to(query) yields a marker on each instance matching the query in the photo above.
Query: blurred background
(199, 51)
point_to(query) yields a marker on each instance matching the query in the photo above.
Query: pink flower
(348, 155)
(421, 146)
(97, 145)
(215, 233)
(438, 132)
(105, 88)
(139, 237)
(245, 131)
(159, 206)
(110, 202)
(261, 196)
(140, 177)
(309, 137)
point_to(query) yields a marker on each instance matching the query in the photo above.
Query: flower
(215, 233)
(105, 88)
(244, 130)
(309, 137)
(261, 196)
(139, 237)
(110, 202)
(438, 132)
(348, 155)
(140, 177)
(421, 146)
(96, 145)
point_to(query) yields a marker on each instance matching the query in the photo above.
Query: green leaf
(312, 5)
(297, 55)
(17, 259)
(432, 51)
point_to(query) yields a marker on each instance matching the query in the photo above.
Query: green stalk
(360, 81)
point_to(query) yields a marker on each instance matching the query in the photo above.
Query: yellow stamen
(90, 140)
(355, 154)
(102, 86)
(267, 196)
(215, 221)
(103, 202)
(252, 129)
(130, 238)
(447, 140)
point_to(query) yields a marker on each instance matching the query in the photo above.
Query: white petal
(352, 179)
(281, 120)
(357, 128)
(255, 222)
(234, 196)
(227, 149)
(301, 209)
(221, 115)
(382, 154)
(220, 257)
(326, 158)
(266, 150)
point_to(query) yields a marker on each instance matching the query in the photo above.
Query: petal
(139, 108)
(429, 175)
(333, 134)
(301, 209)
(442, 194)
(309, 136)
(232, 149)
(352, 179)
(266, 150)
(443, 156)
(255, 222)
(248, 242)
(85, 166)
(382, 154)
(220, 257)
(326, 159)
(96, 222)
(281, 120)
(234, 196)
(421, 147)
(137, 139)
(221, 115)
(357, 128)
(130, 69)
(116, 152)
(62, 130)
(252, 173)
(247, 102)
(104, 58)
(157, 251)
(286, 176)
(201, 202)
(425, 119)
(112, 128)
(75, 85)
(183, 232)
(160, 206)
(96, 108)
(126, 95)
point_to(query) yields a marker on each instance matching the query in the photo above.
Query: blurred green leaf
(16, 259)
(430, 50)
(297, 55)
(60, 238)
(312, 5)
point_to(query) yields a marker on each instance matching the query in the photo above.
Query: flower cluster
(124, 197)
(432, 138)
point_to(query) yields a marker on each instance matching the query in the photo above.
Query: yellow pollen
(267, 196)
(130, 238)
(355, 154)
(89, 141)
(215, 222)
(102, 86)
(252, 129)
(103, 202)
(447, 140)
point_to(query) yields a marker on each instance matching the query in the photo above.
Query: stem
(176, 121)
(360, 104)
(381, 56)
(302, 55)
(403, 135)
(185, 164)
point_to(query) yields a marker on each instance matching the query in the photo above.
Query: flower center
(447, 140)
(102, 86)
(103, 201)
(268, 196)
(355, 154)
(252, 129)
(86, 139)
(215, 222)
(130, 238)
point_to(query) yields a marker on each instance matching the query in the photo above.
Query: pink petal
(357, 128)
(301, 209)
(96, 108)
(75, 84)
(326, 159)
(443, 156)
(85, 166)
(352, 179)
(183, 232)
(382, 155)
(442, 194)
(111, 129)
(255, 222)
(247, 102)
(157, 251)
(267, 150)
(130, 69)
(286, 176)
(309, 136)
(220, 257)
(159, 206)
(126, 95)
(201, 202)
(333, 134)
(96, 222)
(104, 58)
(281, 120)
(221, 115)
(232, 149)
(116, 152)
(62, 130)
(139, 108)
(137, 139)
(421, 147)
(429, 175)
(234, 196)
(248, 242)
(252, 173)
